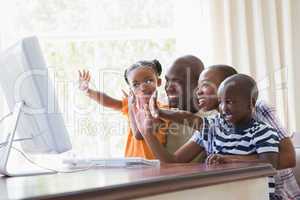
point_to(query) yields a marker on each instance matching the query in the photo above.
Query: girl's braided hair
(154, 64)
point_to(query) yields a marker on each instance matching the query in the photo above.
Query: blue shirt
(219, 137)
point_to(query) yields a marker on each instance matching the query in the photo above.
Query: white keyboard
(109, 162)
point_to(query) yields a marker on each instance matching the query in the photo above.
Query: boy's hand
(84, 79)
(214, 159)
(154, 110)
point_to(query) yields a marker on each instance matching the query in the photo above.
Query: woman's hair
(154, 64)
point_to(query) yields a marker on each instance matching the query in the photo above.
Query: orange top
(139, 148)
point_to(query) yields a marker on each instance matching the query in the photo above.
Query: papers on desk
(109, 162)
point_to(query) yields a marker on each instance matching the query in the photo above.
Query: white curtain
(255, 37)
(259, 38)
(294, 71)
(2, 101)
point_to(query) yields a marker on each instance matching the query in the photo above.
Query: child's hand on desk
(214, 159)
(84, 79)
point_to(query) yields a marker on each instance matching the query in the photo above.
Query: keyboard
(109, 162)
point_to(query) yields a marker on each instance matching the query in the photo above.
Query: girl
(142, 78)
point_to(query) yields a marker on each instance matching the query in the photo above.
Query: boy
(233, 134)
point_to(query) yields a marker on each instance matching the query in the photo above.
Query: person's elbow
(287, 155)
(271, 158)
(288, 161)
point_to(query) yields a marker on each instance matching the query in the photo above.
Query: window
(104, 37)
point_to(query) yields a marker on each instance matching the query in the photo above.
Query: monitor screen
(24, 77)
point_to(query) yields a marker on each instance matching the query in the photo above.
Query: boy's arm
(267, 145)
(104, 99)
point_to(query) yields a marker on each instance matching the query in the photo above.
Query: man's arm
(271, 158)
(146, 124)
(179, 116)
(188, 152)
(267, 114)
(287, 157)
(182, 117)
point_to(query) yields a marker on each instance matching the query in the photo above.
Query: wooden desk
(176, 181)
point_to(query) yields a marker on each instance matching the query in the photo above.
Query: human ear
(252, 103)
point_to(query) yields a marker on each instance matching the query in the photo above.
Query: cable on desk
(46, 168)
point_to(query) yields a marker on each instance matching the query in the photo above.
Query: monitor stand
(5, 150)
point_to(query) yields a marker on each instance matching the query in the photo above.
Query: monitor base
(5, 150)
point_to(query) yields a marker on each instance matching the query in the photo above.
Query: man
(181, 82)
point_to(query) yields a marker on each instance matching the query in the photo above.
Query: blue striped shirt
(219, 137)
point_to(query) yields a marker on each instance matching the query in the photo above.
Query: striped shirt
(219, 137)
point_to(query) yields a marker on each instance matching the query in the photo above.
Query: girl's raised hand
(84, 79)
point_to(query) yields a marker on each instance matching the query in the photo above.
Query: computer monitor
(29, 94)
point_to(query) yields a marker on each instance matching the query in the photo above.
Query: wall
(294, 72)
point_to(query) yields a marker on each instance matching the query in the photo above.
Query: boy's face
(143, 82)
(208, 84)
(235, 107)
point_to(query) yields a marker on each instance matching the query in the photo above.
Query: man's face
(179, 88)
(235, 107)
